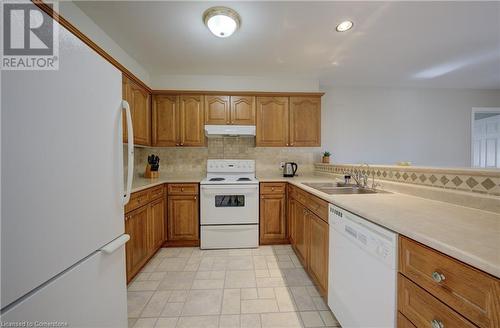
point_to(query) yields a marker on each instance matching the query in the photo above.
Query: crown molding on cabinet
(70, 27)
(238, 93)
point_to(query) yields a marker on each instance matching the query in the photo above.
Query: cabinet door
(243, 110)
(272, 122)
(141, 117)
(183, 218)
(191, 121)
(165, 121)
(318, 251)
(156, 225)
(301, 227)
(291, 220)
(272, 219)
(217, 110)
(137, 248)
(305, 121)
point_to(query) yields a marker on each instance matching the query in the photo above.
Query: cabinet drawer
(403, 322)
(156, 192)
(318, 207)
(272, 188)
(472, 293)
(137, 199)
(182, 189)
(422, 309)
(298, 194)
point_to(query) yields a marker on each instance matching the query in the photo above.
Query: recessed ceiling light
(221, 21)
(344, 26)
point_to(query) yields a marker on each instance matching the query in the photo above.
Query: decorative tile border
(469, 180)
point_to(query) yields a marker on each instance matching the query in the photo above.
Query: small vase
(326, 159)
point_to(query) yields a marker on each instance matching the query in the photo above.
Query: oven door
(229, 204)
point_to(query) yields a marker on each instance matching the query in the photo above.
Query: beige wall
(178, 160)
(429, 127)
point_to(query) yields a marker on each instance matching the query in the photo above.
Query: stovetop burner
(216, 179)
(243, 179)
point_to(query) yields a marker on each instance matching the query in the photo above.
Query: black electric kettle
(289, 169)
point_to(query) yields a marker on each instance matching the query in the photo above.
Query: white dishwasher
(362, 271)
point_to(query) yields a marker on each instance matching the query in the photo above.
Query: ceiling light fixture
(221, 21)
(344, 26)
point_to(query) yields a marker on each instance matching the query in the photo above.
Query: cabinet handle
(182, 189)
(272, 189)
(437, 324)
(182, 144)
(438, 277)
(195, 197)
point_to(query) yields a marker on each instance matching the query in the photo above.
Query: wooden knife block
(151, 174)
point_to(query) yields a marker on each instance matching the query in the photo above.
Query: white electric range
(229, 205)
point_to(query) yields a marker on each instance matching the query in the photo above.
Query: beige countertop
(467, 234)
(144, 183)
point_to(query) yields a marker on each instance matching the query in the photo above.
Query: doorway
(485, 137)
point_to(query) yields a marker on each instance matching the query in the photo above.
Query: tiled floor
(189, 287)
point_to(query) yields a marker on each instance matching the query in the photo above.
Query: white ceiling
(406, 44)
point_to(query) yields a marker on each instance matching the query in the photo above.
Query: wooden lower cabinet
(145, 223)
(156, 224)
(272, 225)
(183, 221)
(301, 228)
(403, 322)
(424, 310)
(137, 247)
(318, 251)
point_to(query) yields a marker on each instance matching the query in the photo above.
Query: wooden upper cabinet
(224, 110)
(243, 110)
(139, 100)
(217, 110)
(192, 121)
(272, 122)
(305, 121)
(165, 121)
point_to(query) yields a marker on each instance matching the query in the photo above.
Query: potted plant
(326, 157)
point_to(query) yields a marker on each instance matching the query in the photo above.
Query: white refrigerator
(63, 192)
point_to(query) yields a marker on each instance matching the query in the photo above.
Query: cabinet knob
(195, 197)
(182, 144)
(287, 143)
(272, 189)
(437, 324)
(438, 277)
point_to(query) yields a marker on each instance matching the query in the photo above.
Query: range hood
(230, 130)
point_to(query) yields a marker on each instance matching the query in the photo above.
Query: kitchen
(251, 164)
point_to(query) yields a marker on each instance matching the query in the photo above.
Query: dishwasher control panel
(379, 242)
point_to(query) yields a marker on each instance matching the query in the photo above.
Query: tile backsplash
(468, 180)
(192, 160)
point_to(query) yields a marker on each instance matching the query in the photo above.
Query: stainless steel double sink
(340, 188)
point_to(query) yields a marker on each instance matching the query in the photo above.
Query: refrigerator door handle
(130, 151)
(115, 244)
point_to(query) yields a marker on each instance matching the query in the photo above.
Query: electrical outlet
(282, 165)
